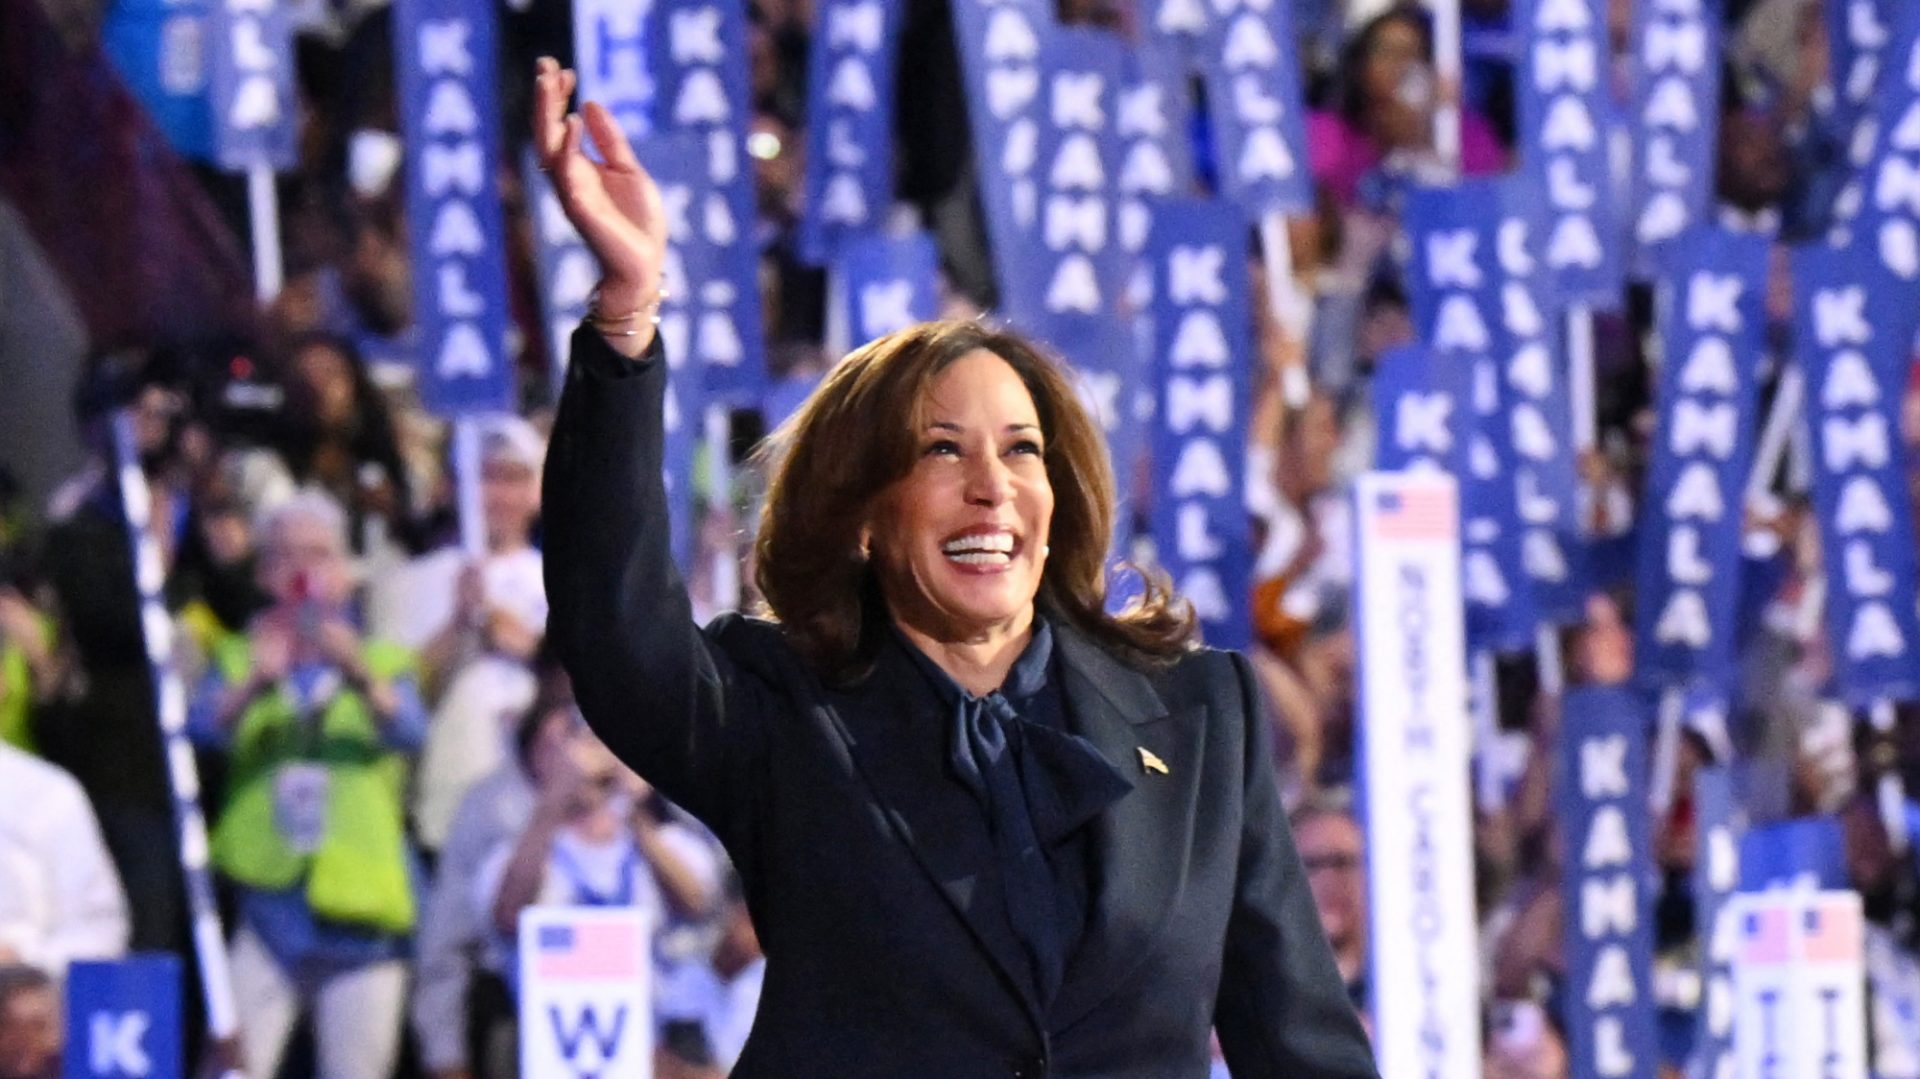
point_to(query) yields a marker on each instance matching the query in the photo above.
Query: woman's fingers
(551, 88)
(611, 140)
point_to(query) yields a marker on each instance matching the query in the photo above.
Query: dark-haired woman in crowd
(340, 438)
(984, 826)
(1386, 94)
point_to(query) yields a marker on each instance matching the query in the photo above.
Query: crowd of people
(394, 770)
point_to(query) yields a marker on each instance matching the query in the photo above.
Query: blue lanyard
(587, 895)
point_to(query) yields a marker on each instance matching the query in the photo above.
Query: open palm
(613, 203)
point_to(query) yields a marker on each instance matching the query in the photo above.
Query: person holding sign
(983, 826)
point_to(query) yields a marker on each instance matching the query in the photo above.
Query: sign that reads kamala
(251, 84)
(1000, 58)
(1854, 332)
(1609, 932)
(849, 182)
(1564, 108)
(1201, 319)
(1413, 700)
(700, 70)
(1676, 115)
(1713, 328)
(610, 43)
(1537, 409)
(449, 117)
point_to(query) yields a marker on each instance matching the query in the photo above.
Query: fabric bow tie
(1037, 785)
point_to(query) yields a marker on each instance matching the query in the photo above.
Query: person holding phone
(318, 724)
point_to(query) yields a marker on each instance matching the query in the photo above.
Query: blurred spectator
(316, 722)
(600, 837)
(476, 626)
(1387, 93)
(1333, 851)
(30, 1032)
(29, 668)
(463, 1014)
(101, 725)
(738, 968)
(1524, 1043)
(342, 440)
(60, 899)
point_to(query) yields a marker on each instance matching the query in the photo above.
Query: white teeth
(982, 558)
(991, 542)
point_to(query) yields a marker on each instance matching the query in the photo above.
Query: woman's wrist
(625, 313)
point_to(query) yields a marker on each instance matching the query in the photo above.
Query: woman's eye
(1027, 446)
(942, 448)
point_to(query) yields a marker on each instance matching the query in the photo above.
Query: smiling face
(960, 541)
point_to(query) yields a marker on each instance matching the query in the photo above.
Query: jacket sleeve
(649, 682)
(1282, 1008)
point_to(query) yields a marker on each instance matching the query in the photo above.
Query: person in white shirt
(455, 1027)
(477, 626)
(60, 898)
(600, 837)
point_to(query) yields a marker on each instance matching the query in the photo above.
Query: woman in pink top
(1384, 109)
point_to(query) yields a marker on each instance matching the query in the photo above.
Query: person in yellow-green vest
(318, 724)
(28, 666)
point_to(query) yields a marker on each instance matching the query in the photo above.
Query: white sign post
(1799, 974)
(586, 993)
(1416, 751)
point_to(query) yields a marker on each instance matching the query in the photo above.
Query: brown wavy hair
(859, 433)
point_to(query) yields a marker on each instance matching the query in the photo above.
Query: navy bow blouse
(1037, 784)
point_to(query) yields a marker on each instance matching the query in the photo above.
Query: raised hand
(614, 205)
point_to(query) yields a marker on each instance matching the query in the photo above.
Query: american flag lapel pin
(1151, 763)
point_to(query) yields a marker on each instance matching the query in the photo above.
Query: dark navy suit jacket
(867, 866)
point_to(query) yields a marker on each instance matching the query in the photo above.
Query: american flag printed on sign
(1414, 513)
(1831, 932)
(1764, 935)
(589, 950)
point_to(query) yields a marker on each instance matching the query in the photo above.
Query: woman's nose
(989, 482)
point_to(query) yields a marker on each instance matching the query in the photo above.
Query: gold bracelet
(649, 311)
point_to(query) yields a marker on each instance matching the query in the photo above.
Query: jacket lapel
(1141, 841)
(899, 748)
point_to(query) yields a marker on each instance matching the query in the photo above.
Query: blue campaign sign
(678, 164)
(1858, 32)
(1565, 114)
(1202, 367)
(1713, 334)
(123, 1019)
(611, 58)
(1453, 283)
(1676, 120)
(1854, 332)
(1602, 799)
(159, 47)
(700, 72)
(1000, 43)
(444, 55)
(1154, 112)
(1074, 259)
(849, 179)
(1071, 261)
(1878, 213)
(1422, 411)
(1795, 853)
(890, 283)
(1716, 877)
(1251, 62)
(1176, 29)
(1538, 412)
(250, 68)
